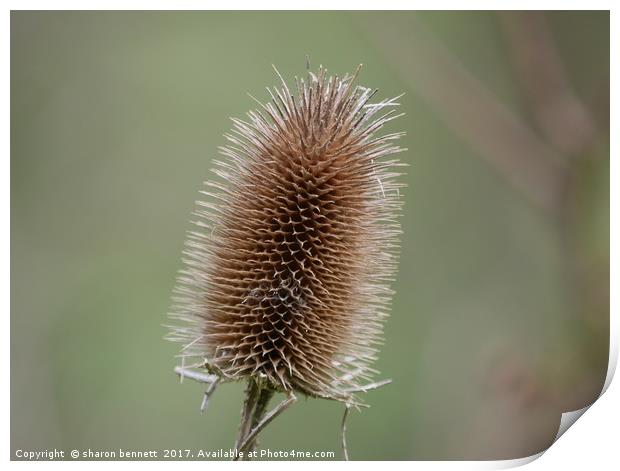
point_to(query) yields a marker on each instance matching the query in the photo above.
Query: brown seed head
(288, 277)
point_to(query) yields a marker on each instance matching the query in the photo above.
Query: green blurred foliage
(115, 117)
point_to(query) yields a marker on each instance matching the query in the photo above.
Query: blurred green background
(501, 317)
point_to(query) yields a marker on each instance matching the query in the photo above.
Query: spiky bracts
(288, 278)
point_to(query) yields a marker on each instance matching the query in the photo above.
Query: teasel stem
(264, 396)
(250, 439)
(252, 393)
(256, 401)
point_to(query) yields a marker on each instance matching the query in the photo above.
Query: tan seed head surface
(288, 276)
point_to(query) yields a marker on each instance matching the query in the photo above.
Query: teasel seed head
(287, 278)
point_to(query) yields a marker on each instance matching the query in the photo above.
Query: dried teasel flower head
(287, 279)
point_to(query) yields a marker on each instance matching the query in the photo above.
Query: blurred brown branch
(562, 117)
(568, 123)
(472, 111)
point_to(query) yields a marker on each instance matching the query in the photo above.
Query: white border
(592, 443)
